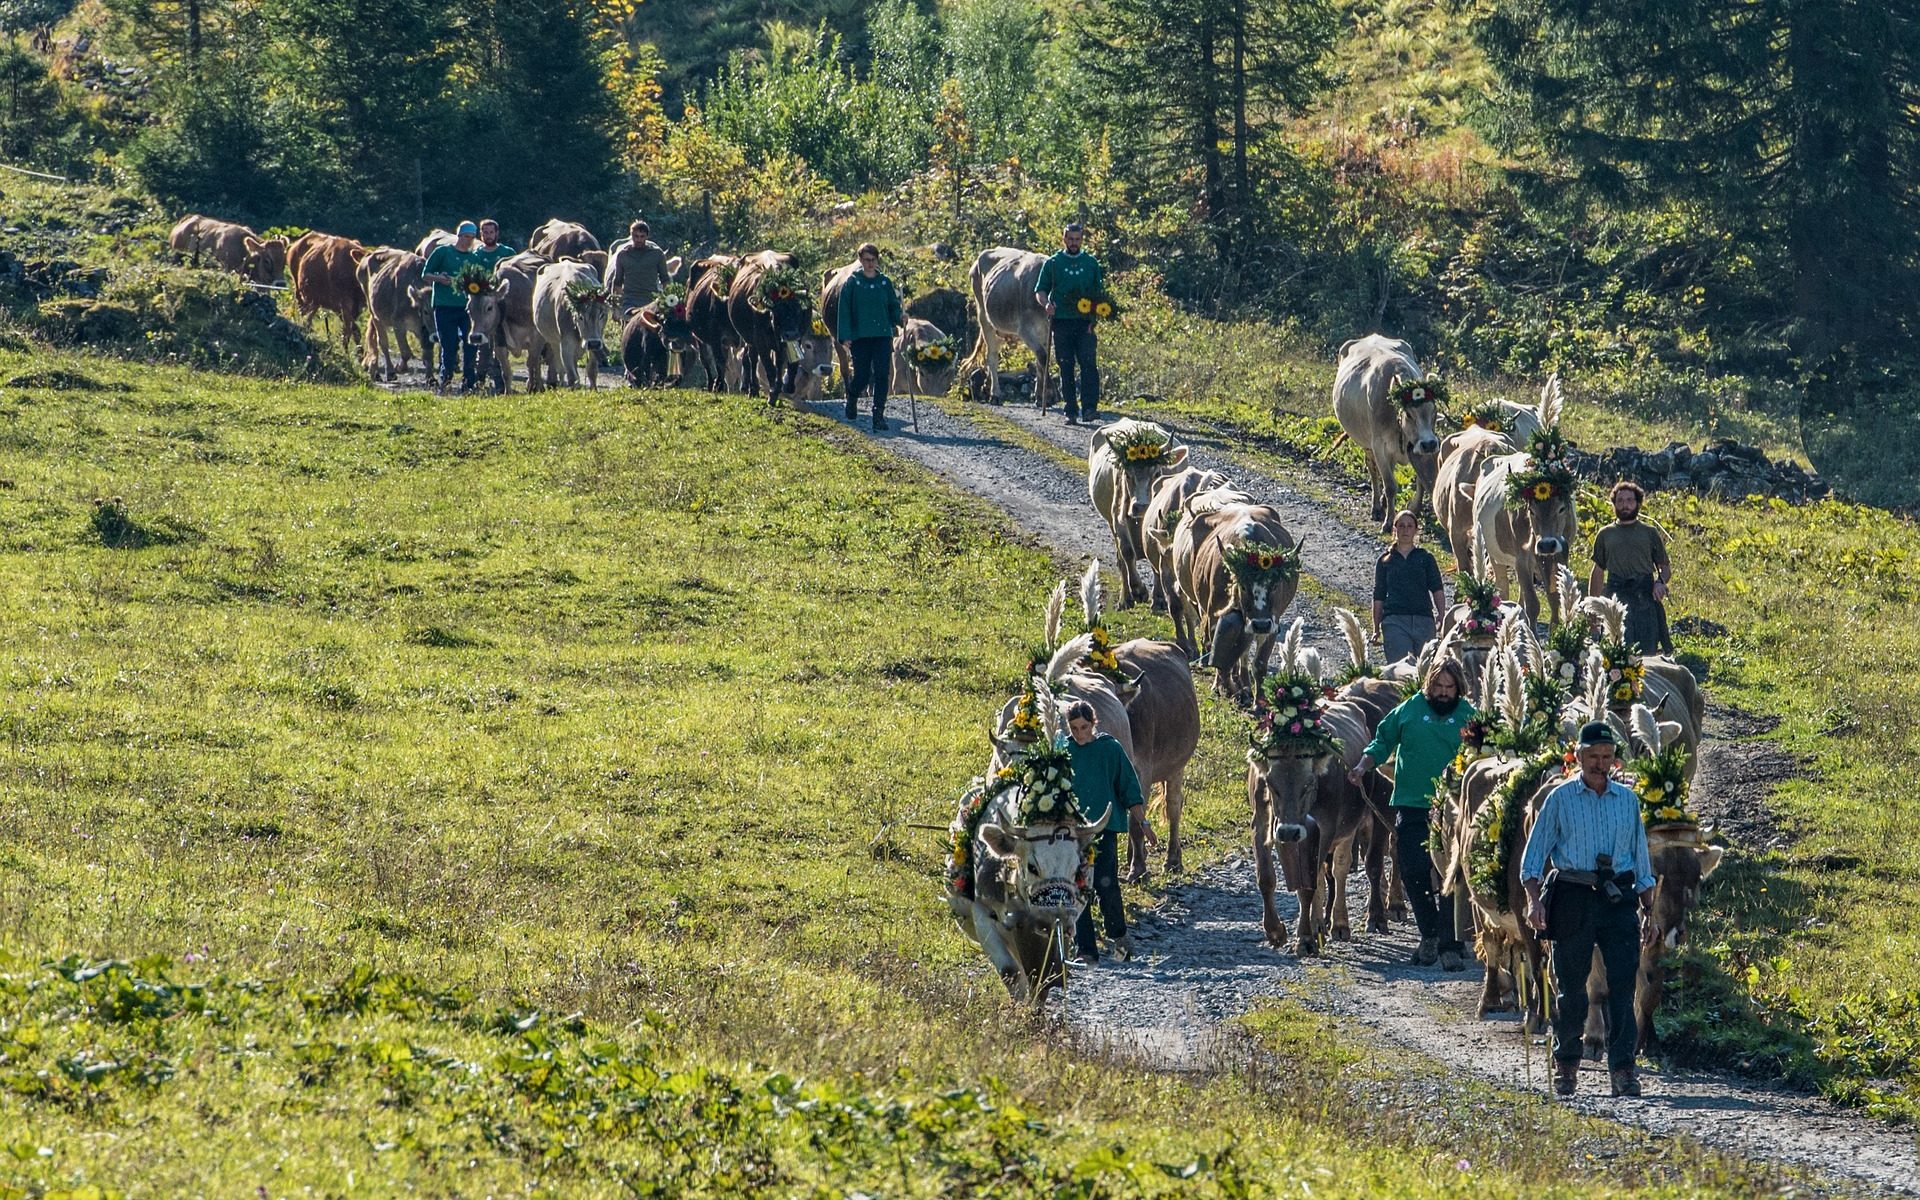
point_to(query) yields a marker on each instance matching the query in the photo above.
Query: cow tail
(977, 311)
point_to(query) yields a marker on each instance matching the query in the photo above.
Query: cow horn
(650, 319)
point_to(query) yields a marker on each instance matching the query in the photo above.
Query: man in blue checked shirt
(1590, 830)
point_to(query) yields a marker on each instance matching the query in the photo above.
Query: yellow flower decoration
(1669, 813)
(1085, 305)
(819, 327)
(473, 288)
(1656, 792)
(1543, 491)
(1491, 426)
(1103, 309)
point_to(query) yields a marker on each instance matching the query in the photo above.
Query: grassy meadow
(508, 797)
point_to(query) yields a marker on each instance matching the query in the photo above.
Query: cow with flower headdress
(1124, 459)
(1386, 403)
(1019, 851)
(770, 307)
(1236, 569)
(1488, 429)
(1524, 516)
(570, 307)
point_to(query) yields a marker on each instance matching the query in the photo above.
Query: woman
(869, 314)
(1422, 736)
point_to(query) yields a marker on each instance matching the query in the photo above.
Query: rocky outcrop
(1724, 469)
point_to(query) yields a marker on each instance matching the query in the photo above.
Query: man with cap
(1589, 830)
(449, 306)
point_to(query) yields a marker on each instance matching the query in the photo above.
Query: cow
(943, 307)
(1164, 509)
(1124, 458)
(1505, 944)
(433, 241)
(1236, 569)
(1163, 722)
(831, 283)
(766, 324)
(654, 343)
(398, 303)
(1681, 859)
(911, 378)
(1303, 803)
(1462, 455)
(326, 276)
(1372, 370)
(1002, 280)
(569, 315)
(1528, 538)
(502, 318)
(814, 369)
(235, 247)
(559, 239)
(708, 281)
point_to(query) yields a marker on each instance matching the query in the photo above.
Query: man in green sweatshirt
(1422, 736)
(1105, 786)
(1069, 284)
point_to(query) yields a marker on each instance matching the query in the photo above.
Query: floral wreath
(581, 293)
(1547, 473)
(1545, 696)
(1414, 393)
(1025, 725)
(1289, 720)
(819, 327)
(1625, 672)
(473, 279)
(1143, 444)
(1101, 657)
(1565, 647)
(781, 285)
(1483, 605)
(935, 353)
(723, 274)
(1660, 780)
(1255, 562)
(671, 298)
(1499, 822)
(1046, 777)
(1487, 415)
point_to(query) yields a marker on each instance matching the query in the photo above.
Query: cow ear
(502, 288)
(1710, 859)
(253, 244)
(1178, 456)
(673, 266)
(999, 840)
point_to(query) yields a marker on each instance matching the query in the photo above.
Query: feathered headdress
(1358, 667)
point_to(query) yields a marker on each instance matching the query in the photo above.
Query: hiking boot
(879, 418)
(1122, 946)
(1626, 1083)
(853, 410)
(1565, 1072)
(1428, 952)
(1452, 960)
(1088, 958)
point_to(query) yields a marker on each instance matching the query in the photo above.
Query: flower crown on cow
(581, 293)
(473, 279)
(1487, 415)
(1407, 393)
(723, 273)
(1143, 443)
(781, 285)
(1623, 670)
(1483, 606)
(1660, 780)
(671, 298)
(1565, 647)
(1289, 721)
(1255, 562)
(1547, 474)
(1045, 777)
(936, 353)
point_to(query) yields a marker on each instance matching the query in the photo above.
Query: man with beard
(1630, 559)
(1421, 736)
(1070, 282)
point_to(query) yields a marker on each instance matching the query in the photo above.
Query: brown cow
(325, 276)
(1124, 458)
(1163, 717)
(768, 327)
(397, 303)
(1164, 509)
(1229, 598)
(503, 316)
(708, 282)
(233, 246)
(1505, 943)
(1682, 860)
(559, 239)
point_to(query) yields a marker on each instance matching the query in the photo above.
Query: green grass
(404, 720)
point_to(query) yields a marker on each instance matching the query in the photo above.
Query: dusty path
(1204, 960)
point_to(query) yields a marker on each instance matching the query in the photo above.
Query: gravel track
(1203, 960)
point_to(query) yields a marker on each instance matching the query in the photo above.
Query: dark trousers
(1074, 344)
(1415, 864)
(451, 325)
(1583, 919)
(872, 368)
(1646, 617)
(1106, 889)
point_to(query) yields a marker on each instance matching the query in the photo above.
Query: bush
(205, 318)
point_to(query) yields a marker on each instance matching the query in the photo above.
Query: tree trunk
(1207, 138)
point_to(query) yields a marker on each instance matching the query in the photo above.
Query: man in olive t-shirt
(1630, 564)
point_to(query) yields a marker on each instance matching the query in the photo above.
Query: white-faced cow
(1164, 509)
(1508, 428)
(1380, 405)
(1003, 280)
(570, 315)
(1124, 459)
(398, 304)
(919, 369)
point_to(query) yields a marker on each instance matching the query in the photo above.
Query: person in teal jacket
(1070, 276)
(869, 313)
(1422, 736)
(1105, 786)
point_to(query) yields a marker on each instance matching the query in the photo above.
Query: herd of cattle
(717, 319)
(1224, 567)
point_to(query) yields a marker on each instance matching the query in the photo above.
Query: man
(1068, 277)
(1590, 830)
(1106, 787)
(450, 307)
(1408, 597)
(1422, 735)
(636, 269)
(488, 254)
(869, 314)
(1630, 557)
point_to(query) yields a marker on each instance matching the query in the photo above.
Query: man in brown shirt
(1630, 560)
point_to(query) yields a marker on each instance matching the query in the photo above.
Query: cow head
(1041, 864)
(587, 303)
(1546, 518)
(1145, 453)
(669, 323)
(1680, 865)
(1264, 575)
(1290, 776)
(485, 312)
(266, 259)
(420, 307)
(1413, 410)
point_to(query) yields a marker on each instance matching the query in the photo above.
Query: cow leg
(1396, 898)
(1176, 801)
(1262, 651)
(1137, 845)
(1523, 566)
(1649, 986)
(1337, 893)
(1376, 876)
(1379, 491)
(1535, 964)
(1043, 374)
(1263, 873)
(1306, 932)
(1593, 1039)
(1490, 1001)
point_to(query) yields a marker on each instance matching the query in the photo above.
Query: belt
(1633, 584)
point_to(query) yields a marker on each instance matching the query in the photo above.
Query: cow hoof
(1376, 925)
(1136, 874)
(1342, 933)
(1174, 864)
(1306, 949)
(1593, 1049)
(1399, 912)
